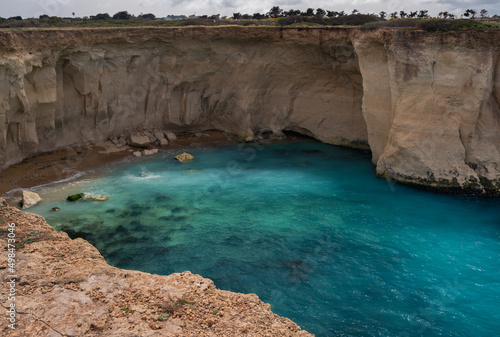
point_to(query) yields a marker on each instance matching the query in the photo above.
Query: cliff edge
(426, 104)
(65, 288)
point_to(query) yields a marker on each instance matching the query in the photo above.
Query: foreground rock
(30, 199)
(184, 157)
(66, 288)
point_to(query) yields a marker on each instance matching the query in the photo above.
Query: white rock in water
(147, 152)
(137, 154)
(30, 199)
(184, 157)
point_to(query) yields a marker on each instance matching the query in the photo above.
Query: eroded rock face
(66, 286)
(425, 104)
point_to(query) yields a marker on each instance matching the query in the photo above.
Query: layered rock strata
(426, 104)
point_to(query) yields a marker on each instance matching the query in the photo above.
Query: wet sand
(66, 163)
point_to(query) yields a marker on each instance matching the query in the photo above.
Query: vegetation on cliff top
(275, 17)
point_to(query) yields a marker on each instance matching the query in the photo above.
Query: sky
(162, 8)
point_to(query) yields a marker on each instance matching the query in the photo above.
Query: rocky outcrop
(65, 288)
(426, 104)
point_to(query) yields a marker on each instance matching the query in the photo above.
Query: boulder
(138, 140)
(170, 136)
(158, 135)
(163, 142)
(184, 157)
(137, 153)
(30, 199)
(152, 138)
(147, 152)
(198, 134)
(119, 142)
(3, 202)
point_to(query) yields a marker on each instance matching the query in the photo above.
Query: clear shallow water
(309, 229)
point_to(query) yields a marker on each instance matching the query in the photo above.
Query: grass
(163, 317)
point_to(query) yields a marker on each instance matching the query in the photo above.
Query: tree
(246, 17)
(423, 14)
(320, 13)
(470, 12)
(124, 15)
(354, 11)
(309, 12)
(73, 14)
(236, 16)
(101, 16)
(43, 16)
(292, 13)
(382, 15)
(413, 14)
(17, 18)
(483, 13)
(275, 12)
(403, 14)
(148, 16)
(258, 16)
(394, 15)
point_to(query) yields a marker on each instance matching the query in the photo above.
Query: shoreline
(65, 164)
(69, 163)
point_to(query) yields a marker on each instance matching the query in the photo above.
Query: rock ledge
(66, 287)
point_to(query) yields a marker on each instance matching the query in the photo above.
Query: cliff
(426, 104)
(65, 288)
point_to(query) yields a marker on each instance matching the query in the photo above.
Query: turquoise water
(308, 228)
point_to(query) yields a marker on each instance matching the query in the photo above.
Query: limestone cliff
(427, 105)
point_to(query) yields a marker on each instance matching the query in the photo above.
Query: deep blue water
(306, 226)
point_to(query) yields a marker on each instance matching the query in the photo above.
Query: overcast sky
(161, 8)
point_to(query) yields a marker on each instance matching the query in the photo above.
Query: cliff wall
(427, 105)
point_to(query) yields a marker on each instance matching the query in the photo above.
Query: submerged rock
(30, 199)
(55, 209)
(96, 197)
(184, 157)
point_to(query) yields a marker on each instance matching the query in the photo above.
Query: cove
(306, 226)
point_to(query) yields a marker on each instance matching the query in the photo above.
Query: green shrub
(443, 25)
(163, 317)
